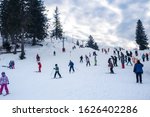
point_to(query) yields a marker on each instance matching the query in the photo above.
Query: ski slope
(86, 83)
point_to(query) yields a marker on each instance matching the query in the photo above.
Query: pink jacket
(4, 80)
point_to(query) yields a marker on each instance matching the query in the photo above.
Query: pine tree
(92, 44)
(37, 21)
(141, 38)
(4, 21)
(57, 31)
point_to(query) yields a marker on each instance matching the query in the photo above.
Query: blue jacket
(138, 68)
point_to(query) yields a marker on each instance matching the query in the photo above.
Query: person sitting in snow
(57, 71)
(11, 64)
(4, 82)
(71, 66)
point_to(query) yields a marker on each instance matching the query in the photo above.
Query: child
(3, 82)
(39, 66)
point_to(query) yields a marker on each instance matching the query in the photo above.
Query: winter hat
(3, 73)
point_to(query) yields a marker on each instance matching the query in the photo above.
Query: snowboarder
(110, 64)
(39, 66)
(11, 64)
(37, 58)
(138, 71)
(4, 82)
(71, 66)
(81, 59)
(57, 71)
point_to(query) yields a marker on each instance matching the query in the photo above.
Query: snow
(86, 83)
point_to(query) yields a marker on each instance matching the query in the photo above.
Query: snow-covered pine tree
(141, 38)
(92, 44)
(57, 31)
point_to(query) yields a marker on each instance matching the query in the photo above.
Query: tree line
(26, 20)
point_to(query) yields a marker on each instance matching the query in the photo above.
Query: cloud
(112, 21)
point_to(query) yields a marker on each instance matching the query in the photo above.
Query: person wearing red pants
(4, 82)
(39, 66)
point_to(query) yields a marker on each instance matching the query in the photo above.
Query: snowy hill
(85, 83)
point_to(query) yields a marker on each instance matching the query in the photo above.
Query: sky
(110, 21)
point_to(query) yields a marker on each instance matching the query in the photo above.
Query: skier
(136, 53)
(122, 61)
(88, 61)
(39, 66)
(95, 61)
(11, 64)
(147, 57)
(115, 61)
(54, 53)
(71, 66)
(110, 64)
(81, 59)
(57, 71)
(4, 82)
(129, 61)
(37, 58)
(138, 71)
(143, 57)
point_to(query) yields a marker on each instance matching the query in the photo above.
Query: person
(95, 61)
(143, 57)
(122, 61)
(54, 53)
(39, 66)
(129, 61)
(115, 61)
(57, 71)
(138, 70)
(11, 64)
(71, 66)
(110, 64)
(87, 61)
(4, 82)
(81, 59)
(37, 58)
(147, 57)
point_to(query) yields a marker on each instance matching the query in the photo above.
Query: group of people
(138, 66)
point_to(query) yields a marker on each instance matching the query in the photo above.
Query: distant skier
(143, 57)
(71, 66)
(11, 64)
(129, 61)
(136, 53)
(37, 57)
(115, 61)
(110, 64)
(57, 71)
(138, 71)
(87, 61)
(54, 53)
(147, 57)
(39, 66)
(81, 59)
(4, 82)
(122, 61)
(95, 61)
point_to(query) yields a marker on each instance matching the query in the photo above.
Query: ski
(6, 94)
